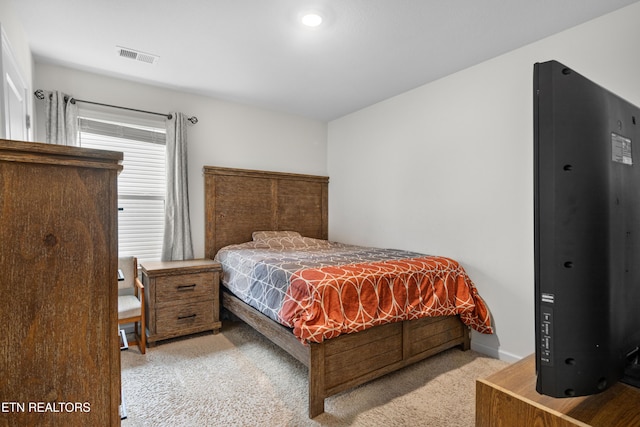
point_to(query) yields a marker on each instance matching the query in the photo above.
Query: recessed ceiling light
(311, 19)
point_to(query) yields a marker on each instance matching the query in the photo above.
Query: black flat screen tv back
(586, 234)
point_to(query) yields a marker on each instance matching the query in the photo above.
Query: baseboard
(496, 354)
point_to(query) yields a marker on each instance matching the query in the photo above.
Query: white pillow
(258, 236)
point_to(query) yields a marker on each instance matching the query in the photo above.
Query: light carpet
(239, 378)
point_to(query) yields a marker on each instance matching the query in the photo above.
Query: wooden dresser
(181, 298)
(509, 398)
(60, 357)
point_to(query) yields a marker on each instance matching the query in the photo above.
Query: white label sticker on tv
(621, 149)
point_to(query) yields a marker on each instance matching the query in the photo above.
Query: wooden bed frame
(238, 202)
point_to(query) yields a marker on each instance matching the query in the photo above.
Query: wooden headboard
(240, 201)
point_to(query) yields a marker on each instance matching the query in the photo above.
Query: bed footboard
(350, 360)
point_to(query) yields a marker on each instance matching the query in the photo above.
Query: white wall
(227, 134)
(447, 168)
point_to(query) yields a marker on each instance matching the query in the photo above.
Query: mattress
(323, 289)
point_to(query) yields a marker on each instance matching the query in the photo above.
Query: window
(141, 184)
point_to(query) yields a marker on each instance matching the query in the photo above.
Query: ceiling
(257, 52)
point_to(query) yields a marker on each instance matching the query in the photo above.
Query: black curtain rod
(40, 95)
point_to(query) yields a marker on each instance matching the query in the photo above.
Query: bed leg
(466, 344)
(316, 379)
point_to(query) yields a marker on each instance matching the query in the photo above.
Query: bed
(239, 203)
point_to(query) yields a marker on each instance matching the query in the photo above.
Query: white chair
(131, 300)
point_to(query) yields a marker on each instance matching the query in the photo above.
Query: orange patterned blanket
(323, 289)
(322, 303)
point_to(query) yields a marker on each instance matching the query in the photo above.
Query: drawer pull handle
(186, 287)
(190, 316)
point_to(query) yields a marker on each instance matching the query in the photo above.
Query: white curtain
(177, 244)
(61, 118)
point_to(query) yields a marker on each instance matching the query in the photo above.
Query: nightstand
(181, 298)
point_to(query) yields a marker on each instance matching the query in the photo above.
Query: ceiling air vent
(125, 52)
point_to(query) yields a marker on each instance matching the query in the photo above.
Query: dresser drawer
(170, 289)
(185, 316)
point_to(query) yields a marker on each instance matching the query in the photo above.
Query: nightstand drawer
(184, 316)
(170, 289)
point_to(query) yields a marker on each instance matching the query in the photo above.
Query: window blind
(141, 184)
